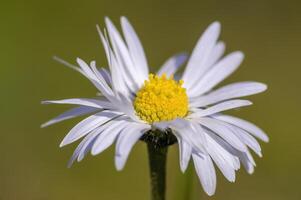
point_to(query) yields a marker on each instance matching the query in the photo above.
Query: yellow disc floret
(161, 99)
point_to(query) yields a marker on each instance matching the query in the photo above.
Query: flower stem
(157, 162)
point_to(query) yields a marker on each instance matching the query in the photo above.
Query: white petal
(163, 125)
(248, 162)
(171, 66)
(245, 157)
(197, 128)
(125, 105)
(126, 140)
(76, 153)
(219, 72)
(86, 69)
(135, 47)
(227, 105)
(118, 84)
(214, 56)
(248, 126)
(106, 75)
(67, 64)
(100, 85)
(115, 68)
(246, 138)
(206, 172)
(101, 74)
(230, 91)
(185, 151)
(183, 129)
(85, 145)
(82, 101)
(91, 138)
(74, 112)
(221, 129)
(87, 125)
(200, 54)
(223, 159)
(121, 81)
(107, 137)
(123, 54)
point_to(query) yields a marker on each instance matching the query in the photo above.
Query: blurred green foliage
(32, 167)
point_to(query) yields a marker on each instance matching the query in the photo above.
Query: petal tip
(108, 21)
(119, 166)
(44, 125)
(124, 19)
(45, 102)
(264, 87)
(215, 27)
(63, 143)
(210, 193)
(94, 151)
(216, 23)
(183, 168)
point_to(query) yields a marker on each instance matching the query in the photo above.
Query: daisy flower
(133, 103)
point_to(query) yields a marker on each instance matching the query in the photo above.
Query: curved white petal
(219, 72)
(247, 139)
(106, 75)
(247, 161)
(197, 128)
(135, 47)
(107, 137)
(119, 85)
(171, 66)
(221, 129)
(69, 114)
(216, 53)
(95, 103)
(184, 130)
(125, 105)
(90, 141)
(120, 80)
(85, 145)
(87, 125)
(224, 160)
(185, 151)
(230, 91)
(76, 152)
(200, 54)
(127, 138)
(121, 51)
(227, 105)
(206, 172)
(67, 64)
(244, 157)
(248, 126)
(101, 85)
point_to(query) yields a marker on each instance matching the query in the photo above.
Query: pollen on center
(161, 99)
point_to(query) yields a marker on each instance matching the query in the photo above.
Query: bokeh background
(33, 167)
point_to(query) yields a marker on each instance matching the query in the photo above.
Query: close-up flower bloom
(132, 103)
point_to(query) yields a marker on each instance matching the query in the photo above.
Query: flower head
(133, 102)
(161, 99)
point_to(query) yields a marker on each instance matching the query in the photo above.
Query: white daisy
(133, 102)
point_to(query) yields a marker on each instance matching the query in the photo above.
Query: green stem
(157, 162)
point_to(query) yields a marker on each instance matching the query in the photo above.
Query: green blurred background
(33, 167)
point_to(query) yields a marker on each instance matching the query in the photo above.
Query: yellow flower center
(161, 99)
